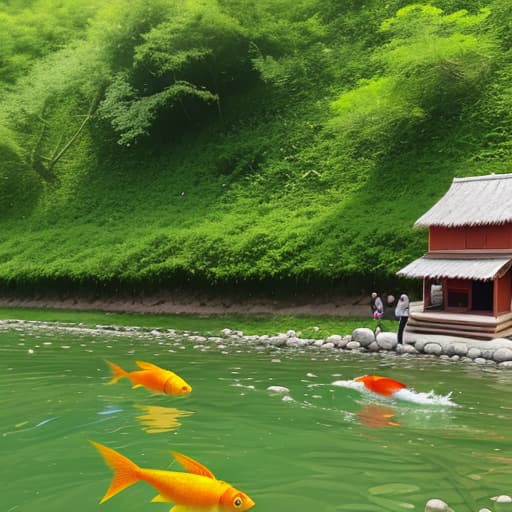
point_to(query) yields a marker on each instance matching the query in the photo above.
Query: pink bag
(376, 315)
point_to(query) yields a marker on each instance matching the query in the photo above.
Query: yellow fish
(152, 377)
(195, 491)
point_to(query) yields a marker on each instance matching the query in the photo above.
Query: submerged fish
(380, 385)
(195, 491)
(152, 377)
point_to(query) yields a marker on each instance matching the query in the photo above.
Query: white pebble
(278, 389)
(436, 506)
(502, 499)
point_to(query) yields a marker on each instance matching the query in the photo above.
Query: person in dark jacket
(402, 313)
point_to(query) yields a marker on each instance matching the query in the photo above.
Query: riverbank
(327, 334)
(182, 303)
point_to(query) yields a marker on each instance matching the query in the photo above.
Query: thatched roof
(478, 269)
(480, 200)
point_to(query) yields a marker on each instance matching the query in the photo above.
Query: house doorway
(482, 295)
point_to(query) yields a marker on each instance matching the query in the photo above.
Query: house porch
(474, 324)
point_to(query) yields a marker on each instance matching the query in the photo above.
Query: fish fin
(179, 508)
(135, 386)
(192, 466)
(126, 472)
(147, 366)
(118, 372)
(159, 499)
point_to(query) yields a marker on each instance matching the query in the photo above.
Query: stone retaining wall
(497, 351)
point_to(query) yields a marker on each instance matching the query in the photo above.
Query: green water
(320, 448)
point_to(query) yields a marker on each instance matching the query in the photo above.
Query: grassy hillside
(272, 145)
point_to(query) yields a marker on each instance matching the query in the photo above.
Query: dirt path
(337, 306)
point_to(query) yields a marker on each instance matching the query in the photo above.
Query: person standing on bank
(402, 313)
(377, 306)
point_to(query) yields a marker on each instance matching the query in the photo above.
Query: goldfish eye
(237, 502)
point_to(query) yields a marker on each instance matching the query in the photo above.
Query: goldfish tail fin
(125, 471)
(117, 371)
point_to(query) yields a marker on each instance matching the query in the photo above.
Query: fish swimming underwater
(195, 491)
(153, 378)
(380, 385)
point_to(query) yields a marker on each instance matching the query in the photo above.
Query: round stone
(502, 499)
(474, 352)
(433, 349)
(436, 505)
(363, 335)
(502, 354)
(387, 340)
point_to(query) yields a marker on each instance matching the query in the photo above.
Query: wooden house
(467, 277)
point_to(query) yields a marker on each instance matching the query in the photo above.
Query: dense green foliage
(276, 144)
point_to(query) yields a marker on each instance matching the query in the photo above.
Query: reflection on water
(375, 415)
(157, 419)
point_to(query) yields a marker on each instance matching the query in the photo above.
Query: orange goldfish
(152, 377)
(195, 491)
(381, 385)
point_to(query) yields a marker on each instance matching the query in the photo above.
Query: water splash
(406, 394)
(350, 384)
(430, 398)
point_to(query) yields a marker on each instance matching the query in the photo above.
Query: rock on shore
(481, 352)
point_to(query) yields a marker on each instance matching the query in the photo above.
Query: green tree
(431, 66)
(289, 41)
(51, 106)
(33, 29)
(193, 54)
(18, 187)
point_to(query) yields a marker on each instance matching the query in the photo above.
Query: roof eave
(500, 222)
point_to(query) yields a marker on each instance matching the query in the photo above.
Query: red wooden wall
(502, 293)
(470, 237)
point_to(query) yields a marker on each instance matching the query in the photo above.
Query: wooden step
(459, 329)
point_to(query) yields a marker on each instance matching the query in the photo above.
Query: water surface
(319, 447)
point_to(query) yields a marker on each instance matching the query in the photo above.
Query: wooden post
(426, 293)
